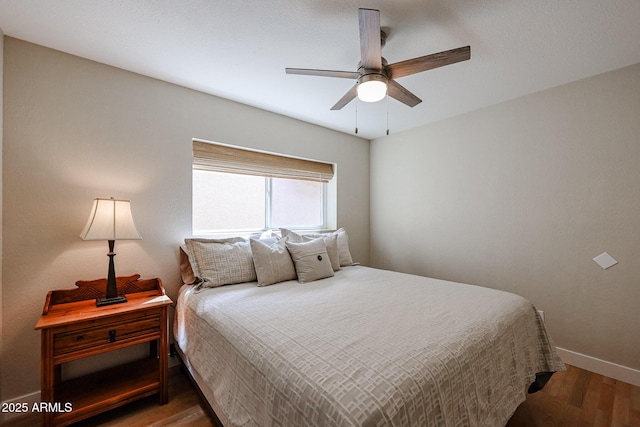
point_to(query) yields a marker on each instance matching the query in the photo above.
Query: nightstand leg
(47, 374)
(163, 358)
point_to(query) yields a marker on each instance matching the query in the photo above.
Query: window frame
(328, 197)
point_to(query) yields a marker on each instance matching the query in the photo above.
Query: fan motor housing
(371, 75)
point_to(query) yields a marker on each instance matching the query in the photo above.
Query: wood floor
(573, 398)
(580, 398)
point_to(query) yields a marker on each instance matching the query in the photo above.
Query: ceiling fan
(375, 78)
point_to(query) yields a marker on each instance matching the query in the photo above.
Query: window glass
(296, 203)
(224, 201)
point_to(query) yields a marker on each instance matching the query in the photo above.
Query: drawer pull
(79, 337)
(112, 335)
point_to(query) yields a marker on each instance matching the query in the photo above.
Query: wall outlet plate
(605, 260)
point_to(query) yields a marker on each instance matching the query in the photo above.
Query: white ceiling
(239, 49)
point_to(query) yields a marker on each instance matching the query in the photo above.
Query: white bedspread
(365, 348)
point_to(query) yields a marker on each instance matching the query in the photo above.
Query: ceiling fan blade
(323, 73)
(399, 92)
(428, 62)
(370, 45)
(347, 98)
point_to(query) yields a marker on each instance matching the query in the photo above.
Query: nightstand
(72, 328)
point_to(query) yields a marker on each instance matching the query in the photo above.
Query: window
(296, 203)
(224, 201)
(238, 190)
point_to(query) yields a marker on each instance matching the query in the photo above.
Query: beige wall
(521, 196)
(76, 130)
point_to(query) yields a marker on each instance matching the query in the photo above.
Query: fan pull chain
(356, 115)
(387, 114)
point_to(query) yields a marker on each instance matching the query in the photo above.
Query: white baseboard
(599, 366)
(28, 399)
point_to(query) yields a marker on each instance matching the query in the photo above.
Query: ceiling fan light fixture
(372, 87)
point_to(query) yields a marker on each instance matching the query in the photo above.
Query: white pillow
(344, 255)
(311, 260)
(343, 247)
(272, 262)
(221, 261)
(331, 242)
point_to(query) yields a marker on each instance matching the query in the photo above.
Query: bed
(360, 347)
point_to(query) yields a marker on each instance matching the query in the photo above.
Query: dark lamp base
(108, 301)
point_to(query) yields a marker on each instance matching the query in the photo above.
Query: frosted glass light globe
(372, 89)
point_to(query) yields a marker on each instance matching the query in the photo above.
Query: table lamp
(110, 220)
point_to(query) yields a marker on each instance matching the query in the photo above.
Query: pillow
(272, 262)
(221, 261)
(343, 247)
(186, 271)
(311, 260)
(330, 240)
(344, 254)
(264, 235)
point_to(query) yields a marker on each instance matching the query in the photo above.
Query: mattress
(366, 347)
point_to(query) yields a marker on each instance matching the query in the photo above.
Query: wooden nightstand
(72, 327)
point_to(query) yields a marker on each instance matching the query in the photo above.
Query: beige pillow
(331, 242)
(311, 260)
(343, 247)
(344, 255)
(221, 261)
(293, 236)
(272, 262)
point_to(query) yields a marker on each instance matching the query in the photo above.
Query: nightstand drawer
(105, 332)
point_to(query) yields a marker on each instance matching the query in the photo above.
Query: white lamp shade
(372, 90)
(110, 219)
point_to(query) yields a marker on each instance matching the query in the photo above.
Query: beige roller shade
(222, 158)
